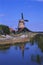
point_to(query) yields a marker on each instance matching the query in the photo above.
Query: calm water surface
(21, 54)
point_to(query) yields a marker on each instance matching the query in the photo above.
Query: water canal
(30, 53)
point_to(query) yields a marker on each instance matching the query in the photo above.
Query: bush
(5, 29)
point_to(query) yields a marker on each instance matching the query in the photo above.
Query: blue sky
(10, 13)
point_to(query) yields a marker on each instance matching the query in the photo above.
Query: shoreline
(13, 40)
(19, 38)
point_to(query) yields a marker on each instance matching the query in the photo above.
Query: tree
(5, 29)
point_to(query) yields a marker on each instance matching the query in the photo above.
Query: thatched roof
(23, 30)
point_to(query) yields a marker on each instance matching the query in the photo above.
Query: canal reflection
(30, 53)
(4, 47)
(39, 40)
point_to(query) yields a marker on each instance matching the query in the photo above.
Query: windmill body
(21, 23)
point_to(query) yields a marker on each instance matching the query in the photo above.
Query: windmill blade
(26, 20)
(22, 15)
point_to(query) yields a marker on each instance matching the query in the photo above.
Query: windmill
(21, 23)
(22, 17)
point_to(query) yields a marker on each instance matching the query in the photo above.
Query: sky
(10, 13)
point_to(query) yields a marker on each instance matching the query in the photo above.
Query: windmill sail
(22, 15)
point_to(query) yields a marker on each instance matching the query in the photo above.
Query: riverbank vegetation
(38, 39)
(4, 29)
